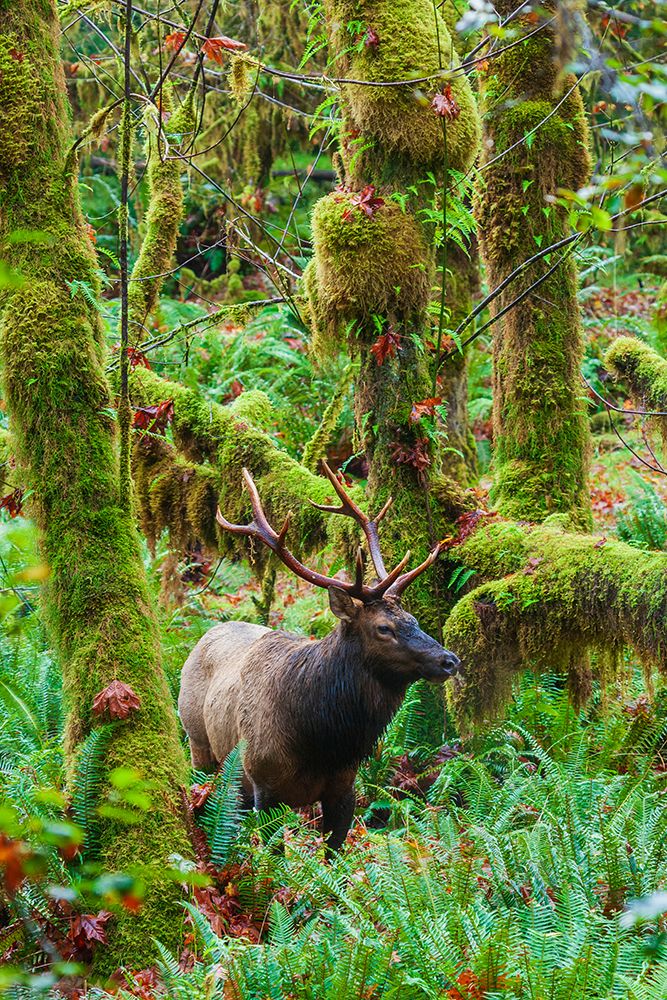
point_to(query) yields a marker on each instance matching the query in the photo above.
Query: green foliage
(509, 879)
(642, 521)
(87, 786)
(221, 816)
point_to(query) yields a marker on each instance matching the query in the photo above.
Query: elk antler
(393, 583)
(369, 525)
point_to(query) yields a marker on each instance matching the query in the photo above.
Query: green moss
(175, 494)
(224, 436)
(364, 267)
(541, 433)
(404, 132)
(553, 597)
(97, 602)
(165, 209)
(317, 447)
(642, 368)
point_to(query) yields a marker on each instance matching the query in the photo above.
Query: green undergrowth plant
(507, 877)
(642, 521)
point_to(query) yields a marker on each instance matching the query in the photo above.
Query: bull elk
(309, 712)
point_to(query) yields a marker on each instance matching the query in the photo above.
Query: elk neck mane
(336, 702)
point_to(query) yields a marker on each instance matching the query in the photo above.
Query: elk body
(309, 712)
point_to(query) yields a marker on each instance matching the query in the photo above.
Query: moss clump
(642, 368)
(165, 209)
(554, 596)
(542, 438)
(364, 267)
(97, 603)
(412, 41)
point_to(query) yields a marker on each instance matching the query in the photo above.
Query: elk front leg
(337, 815)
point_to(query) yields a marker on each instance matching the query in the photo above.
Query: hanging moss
(175, 494)
(317, 447)
(364, 267)
(97, 603)
(541, 433)
(554, 596)
(165, 208)
(399, 132)
(228, 438)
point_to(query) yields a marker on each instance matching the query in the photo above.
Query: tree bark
(535, 141)
(97, 603)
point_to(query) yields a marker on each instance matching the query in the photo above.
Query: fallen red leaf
(416, 454)
(200, 793)
(366, 201)
(215, 48)
(13, 502)
(137, 358)
(386, 345)
(444, 103)
(154, 418)
(424, 408)
(118, 699)
(13, 855)
(88, 930)
(371, 39)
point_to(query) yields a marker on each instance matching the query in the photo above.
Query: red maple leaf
(154, 418)
(215, 48)
(200, 793)
(13, 502)
(175, 41)
(118, 699)
(137, 358)
(386, 345)
(365, 201)
(88, 930)
(444, 103)
(424, 408)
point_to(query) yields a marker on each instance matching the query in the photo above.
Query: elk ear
(342, 605)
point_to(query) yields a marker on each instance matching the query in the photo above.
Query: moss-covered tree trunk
(371, 280)
(535, 142)
(97, 603)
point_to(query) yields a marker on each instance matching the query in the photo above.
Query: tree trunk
(535, 141)
(371, 279)
(97, 603)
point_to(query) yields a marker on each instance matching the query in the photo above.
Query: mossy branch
(226, 437)
(165, 209)
(551, 597)
(642, 368)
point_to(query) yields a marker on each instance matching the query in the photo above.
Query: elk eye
(385, 630)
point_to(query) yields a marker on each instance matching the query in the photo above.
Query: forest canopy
(420, 244)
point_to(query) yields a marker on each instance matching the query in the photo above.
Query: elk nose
(451, 662)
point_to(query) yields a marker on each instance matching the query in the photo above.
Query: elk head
(392, 642)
